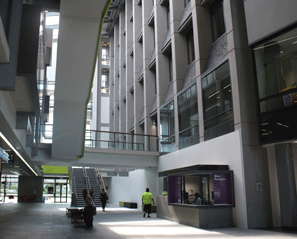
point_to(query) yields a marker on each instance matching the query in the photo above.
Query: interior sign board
(3, 155)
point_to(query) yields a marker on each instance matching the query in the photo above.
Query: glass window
(201, 189)
(188, 118)
(163, 190)
(276, 69)
(217, 102)
(167, 128)
(217, 19)
(170, 68)
(190, 46)
(168, 17)
(104, 83)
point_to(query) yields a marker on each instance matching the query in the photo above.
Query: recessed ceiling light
(281, 52)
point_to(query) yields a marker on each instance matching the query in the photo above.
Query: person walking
(88, 209)
(147, 200)
(103, 198)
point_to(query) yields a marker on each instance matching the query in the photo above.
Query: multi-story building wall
(215, 80)
(183, 70)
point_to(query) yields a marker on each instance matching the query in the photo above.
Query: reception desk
(202, 216)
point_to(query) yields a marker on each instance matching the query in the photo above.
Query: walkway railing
(123, 141)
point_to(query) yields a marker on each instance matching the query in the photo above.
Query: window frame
(214, 7)
(190, 45)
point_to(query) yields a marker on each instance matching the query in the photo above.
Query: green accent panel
(55, 169)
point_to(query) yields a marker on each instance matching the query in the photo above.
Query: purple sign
(174, 189)
(222, 188)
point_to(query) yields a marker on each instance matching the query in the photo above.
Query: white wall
(224, 150)
(131, 188)
(105, 110)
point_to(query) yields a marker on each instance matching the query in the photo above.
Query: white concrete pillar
(122, 79)
(111, 80)
(116, 78)
(129, 66)
(137, 62)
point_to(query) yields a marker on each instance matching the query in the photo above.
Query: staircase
(95, 183)
(85, 179)
(80, 182)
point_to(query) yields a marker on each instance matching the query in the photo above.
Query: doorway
(61, 192)
(56, 190)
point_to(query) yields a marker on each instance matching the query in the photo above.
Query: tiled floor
(50, 221)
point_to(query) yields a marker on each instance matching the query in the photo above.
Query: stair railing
(74, 186)
(96, 176)
(101, 179)
(88, 184)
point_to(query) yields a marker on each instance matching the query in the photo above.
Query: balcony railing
(122, 141)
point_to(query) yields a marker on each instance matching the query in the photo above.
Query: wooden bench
(78, 221)
(70, 210)
(77, 216)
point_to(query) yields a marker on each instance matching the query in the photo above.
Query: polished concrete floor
(28, 220)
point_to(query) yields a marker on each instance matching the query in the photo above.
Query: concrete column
(201, 32)
(275, 205)
(286, 185)
(8, 71)
(179, 57)
(116, 78)
(162, 63)
(111, 86)
(129, 66)
(96, 95)
(138, 60)
(122, 79)
(149, 76)
(258, 209)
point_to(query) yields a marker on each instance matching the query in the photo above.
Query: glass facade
(167, 128)
(213, 189)
(217, 103)
(276, 69)
(9, 188)
(188, 118)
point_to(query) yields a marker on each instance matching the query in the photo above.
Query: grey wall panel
(29, 186)
(28, 47)
(265, 17)
(5, 13)
(13, 25)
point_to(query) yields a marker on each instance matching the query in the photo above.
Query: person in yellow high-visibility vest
(147, 200)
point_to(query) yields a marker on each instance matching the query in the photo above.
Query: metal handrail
(188, 128)
(87, 181)
(112, 132)
(74, 186)
(96, 175)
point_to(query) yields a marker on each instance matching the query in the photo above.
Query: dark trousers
(89, 216)
(103, 202)
(147, 208)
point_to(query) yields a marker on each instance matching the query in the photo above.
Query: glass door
(61, 192)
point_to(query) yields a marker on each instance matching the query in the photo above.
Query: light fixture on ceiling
(16, 152)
